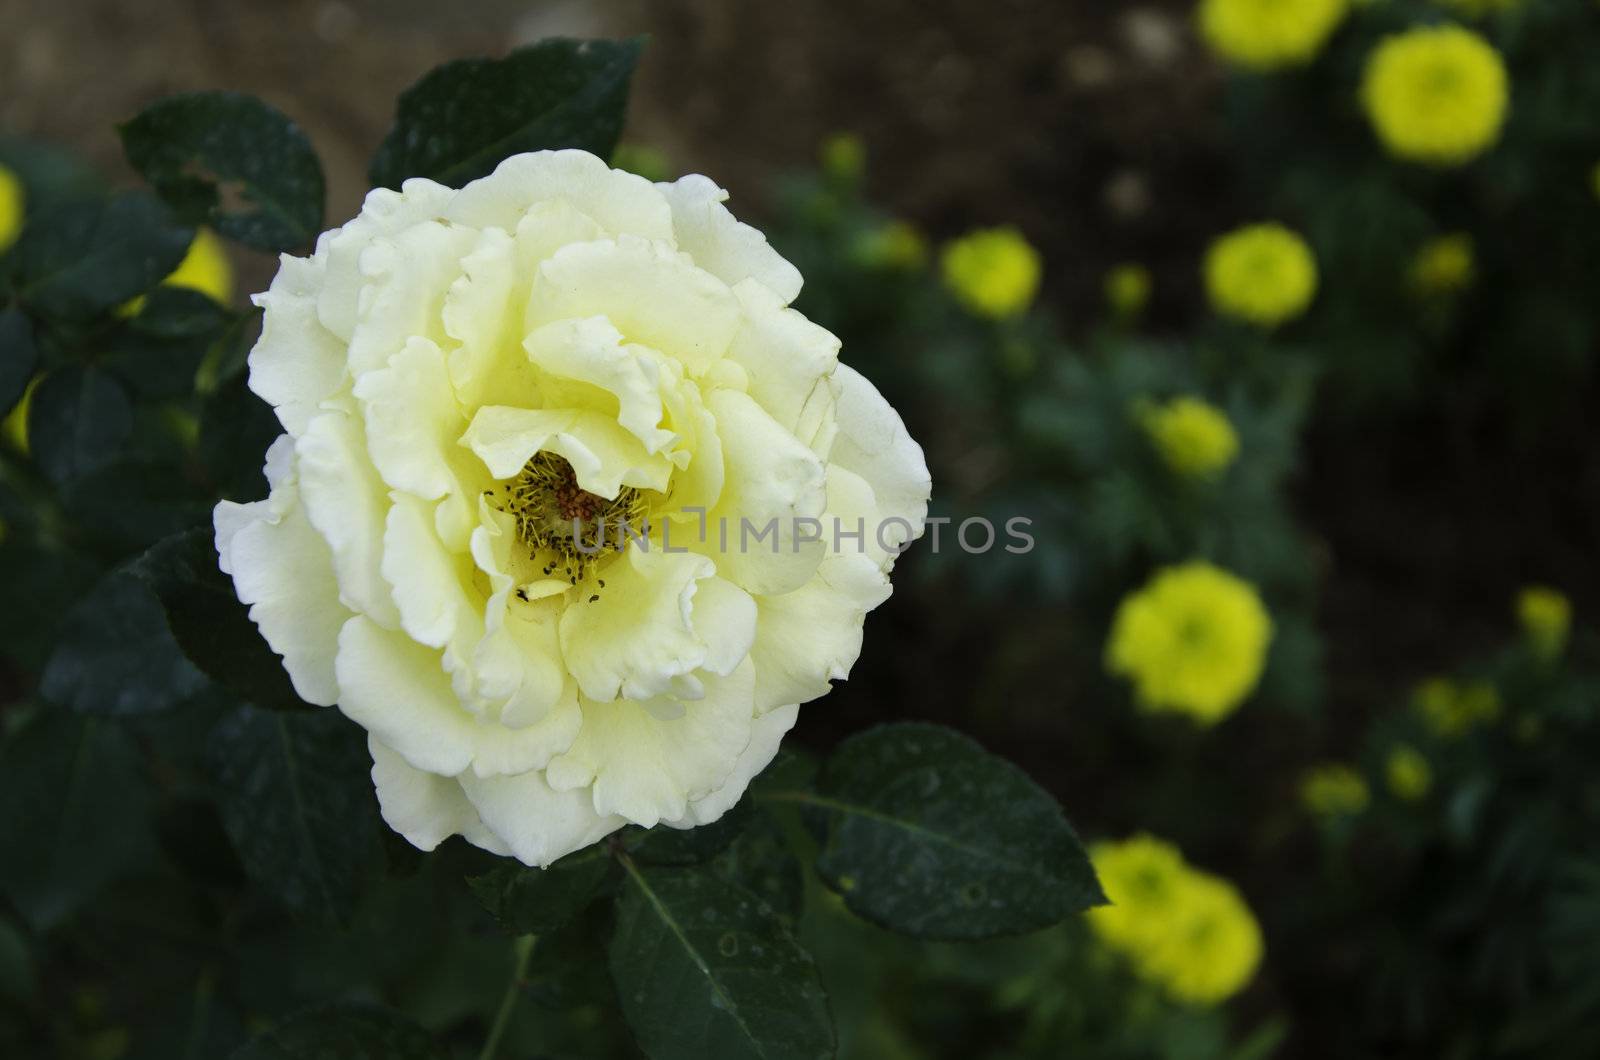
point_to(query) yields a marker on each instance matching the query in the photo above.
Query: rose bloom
(477, 388)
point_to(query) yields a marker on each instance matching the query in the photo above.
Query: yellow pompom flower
(14, 428)
(1195, 439)
(1546, 619)
(994, 272)
(1408, 773)
(1185, 930)
(1452, 710)
(1193, 640)
(1265, 274)
(897, 245)
(1334, 790)
(1127, 288)
(1436, 94)
(13, 203)
(1268, 34)
(1444, 265)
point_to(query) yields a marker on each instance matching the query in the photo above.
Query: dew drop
(728, 944)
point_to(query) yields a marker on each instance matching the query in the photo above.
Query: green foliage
(292, 790)
(86, 258)
(923, 832)
(18, 357)
(462, 119)
(705, 968)
(232, 162)
(350, 1032)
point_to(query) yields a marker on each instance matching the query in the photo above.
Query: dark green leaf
(538, 901)
(343, 1032)
(706, 969)
(19, 357)
(115, 656)
(665, 845)
(295, 793)
(762, 861)
(42, 585)
(74, 813)
(209, 622)
(236, 427)
(232, 162)
(158, 353)
(130, 504)
(465, 117)
(83, 259)
(79, 419)
(925, 833)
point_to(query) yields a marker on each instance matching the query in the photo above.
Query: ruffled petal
(346, 502)
(284, 572)
(593, 369)
(604, 456)
(872, 442)
(296, 362)
(621, 202)
(646, 765)
(766, 734)
(424, 807)
(537, 823)
(651, 293)
(396, 689)
(811, 636)
(723, 246)
(771, 481)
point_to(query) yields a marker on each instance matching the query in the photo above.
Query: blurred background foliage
(1179, 287)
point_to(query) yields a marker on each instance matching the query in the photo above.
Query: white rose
(461, 373)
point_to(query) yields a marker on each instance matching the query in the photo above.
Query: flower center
(554, 514)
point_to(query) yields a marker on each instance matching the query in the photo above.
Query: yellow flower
(1186, 930)
(14, 429)
(1444, 265)
(205, 268)
(13, 202)
(1193, 640)
(1436, 94)
(1408, 773)
(994, 272)
(1194, 438)
(897, 245)
(1266, 34)
(1263, 273)
(1546, 618)
(1452, 710)
(844, 156)
(1334, 790)
(1128, 289)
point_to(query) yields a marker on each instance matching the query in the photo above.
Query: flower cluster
(1436, 94)
(1264, 274)
(473, 385)
(1452, 709)
(1183, 929)
(1334, 790)
(1193, 640)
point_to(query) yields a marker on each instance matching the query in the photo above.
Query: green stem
(523, 948)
